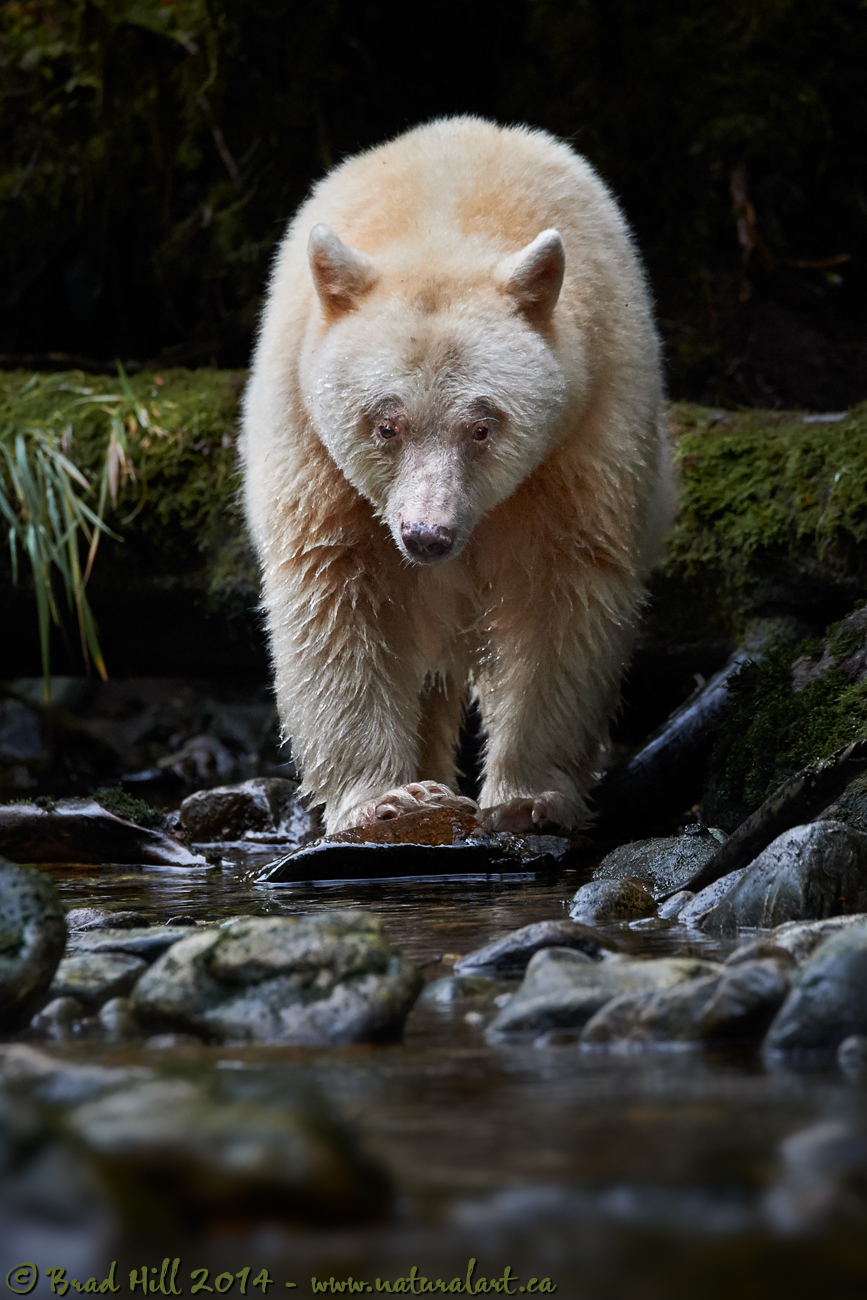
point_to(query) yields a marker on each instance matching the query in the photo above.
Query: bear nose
(427, 542)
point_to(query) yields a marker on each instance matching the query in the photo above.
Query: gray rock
(807, 873)
(802, 938)
(762, 948)
(117, 1020)
(453, 987)
(510, 954)
(327, 978)
(32, 938)
(94, 977)
(147, 944)
(197, 1160)
(668, 1015)
(745, 1001)
(103, 918)
(672, 907)
(706, 899)
(562, 989)
(663, 864)
(81, 830)
(600, 901)
(265, 807)
(830, 1001)
(852, 1055)
(28, 1071)
(60, 1020)
(823, 1178)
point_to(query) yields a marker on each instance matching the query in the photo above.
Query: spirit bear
(455, 472)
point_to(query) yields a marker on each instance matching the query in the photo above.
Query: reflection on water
(645, 1175)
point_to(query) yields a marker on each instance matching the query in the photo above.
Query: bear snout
(427, 543)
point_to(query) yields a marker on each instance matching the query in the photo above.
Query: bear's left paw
(548, 811)
(412, 798)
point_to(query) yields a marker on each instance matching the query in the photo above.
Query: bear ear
(341, 274)
(534, 276)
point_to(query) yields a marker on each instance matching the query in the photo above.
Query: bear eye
(480, 433)
(387, 431)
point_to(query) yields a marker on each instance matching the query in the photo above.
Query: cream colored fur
(416, 300)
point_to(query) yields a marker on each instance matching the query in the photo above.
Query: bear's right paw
(410, 798)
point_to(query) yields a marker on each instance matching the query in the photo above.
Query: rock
(195, 1160)
(823, 1178)
(563, 989)
(102, 918)
(830, 1001)
(761, 949)
(600, 901)
(32, 938)
(27, 1071)
(434, 841)
(510, 954)
(807, 873)
(117, 1020)
(668, 1015)
(60, 1020)
(708, 898)
(662, 864)
(147, 944)
(801, 938)
(323, 979)
(80, 830)
(266, 807)
(94, 977)
(673, 906)
(452, 987)
(852, 1055)
(745, 1001)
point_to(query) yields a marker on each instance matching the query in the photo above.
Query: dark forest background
(151, 152)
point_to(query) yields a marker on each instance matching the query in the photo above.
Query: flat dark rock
(336, 859)
(80, 830)
(512, 952)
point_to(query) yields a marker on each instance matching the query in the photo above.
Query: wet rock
(706, 899)
(672, 907)
(265, 807)
(801, 938)
(745, 1001)
(60, 1020)
(670, 1015)
(852, 1055)
(32, 938)
(600, 901)
(662, 864)
(195, 1159)
(80, 830)
(761, 948)
(329, 978)
(94, 977)
(510, 954)
(453, 987)
(147, 944)
(823, 1177)
(117, 1019)
(28, 1071)
(437, 841)
(562, 989)
(807, 873)
(830, 1001)
(103, 918)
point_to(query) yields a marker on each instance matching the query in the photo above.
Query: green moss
(126, 805)
(764, 497)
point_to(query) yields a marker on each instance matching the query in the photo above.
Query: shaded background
(151, 153)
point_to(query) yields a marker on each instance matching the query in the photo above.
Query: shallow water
(652, 1174)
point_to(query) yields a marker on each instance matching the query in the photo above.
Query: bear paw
(410, 798)
(550, 811)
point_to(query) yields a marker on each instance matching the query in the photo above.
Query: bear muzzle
(427, 543)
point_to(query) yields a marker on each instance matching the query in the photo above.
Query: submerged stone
(807, 873)
(317, 980)
(148, 943)
(32, 938)
(562, 989)
(511, 953)
(600, 901)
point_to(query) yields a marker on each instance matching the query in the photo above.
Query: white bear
(456, 472)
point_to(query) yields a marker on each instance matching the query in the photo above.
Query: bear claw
(413, 797)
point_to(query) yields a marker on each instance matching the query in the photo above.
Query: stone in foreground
(807, 873)
(830, 1001)
(602, 901)
(562, 989)
(32, 937)
(96, 977)
(320, 980)
(510, 954)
